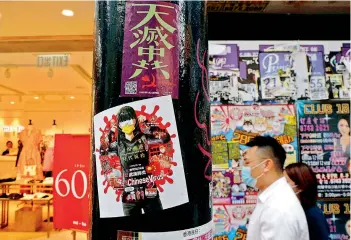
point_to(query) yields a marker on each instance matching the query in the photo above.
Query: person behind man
(278, 214)
(304, 183)
(9, 146)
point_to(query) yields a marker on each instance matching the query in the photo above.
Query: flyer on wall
(139, 163)
(337, 214)
(324, 136)
(231, 221)
(234, 126)
(229, 188)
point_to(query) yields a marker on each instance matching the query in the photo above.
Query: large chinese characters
(150, 51)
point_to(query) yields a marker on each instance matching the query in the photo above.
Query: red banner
(71, 181)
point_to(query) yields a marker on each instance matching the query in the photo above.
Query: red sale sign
(71, 181)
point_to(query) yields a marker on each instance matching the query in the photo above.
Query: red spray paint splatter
(154, 168)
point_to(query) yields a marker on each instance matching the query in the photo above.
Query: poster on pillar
(71, 171)
(234, 126)
(139, 163)
(203, 232)
(150, 49)
(324, 137)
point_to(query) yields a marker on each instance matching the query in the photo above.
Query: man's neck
(269, 180)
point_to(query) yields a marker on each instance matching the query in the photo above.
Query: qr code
(131, 87)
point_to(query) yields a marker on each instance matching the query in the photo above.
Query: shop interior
(55, 98)
(39, 99)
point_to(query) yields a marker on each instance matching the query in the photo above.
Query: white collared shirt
(278, 215)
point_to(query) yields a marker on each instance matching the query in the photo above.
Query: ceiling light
(12, 102)
(71, 97)
(36, 97)
(67, 13)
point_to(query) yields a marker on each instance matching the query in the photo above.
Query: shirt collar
(263, 196)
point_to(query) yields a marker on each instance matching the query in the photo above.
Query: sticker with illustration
(139, 164)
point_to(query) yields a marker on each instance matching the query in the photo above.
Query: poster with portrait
(324, 137)
(138, 159)
(234, 126)
(337, 214)
(231, 221)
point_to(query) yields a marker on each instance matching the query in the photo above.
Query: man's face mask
(248, 179)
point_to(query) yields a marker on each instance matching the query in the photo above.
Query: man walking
(278, 214)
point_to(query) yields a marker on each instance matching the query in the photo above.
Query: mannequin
(29, 162)
(49, 153)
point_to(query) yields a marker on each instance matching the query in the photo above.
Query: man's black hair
(276, 151)
(8, 142)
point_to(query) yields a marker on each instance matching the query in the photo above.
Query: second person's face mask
(248, 179)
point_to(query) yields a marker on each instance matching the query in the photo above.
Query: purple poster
(276, 79)
(243, 70)
(222, 186)
(317, 63)
(345, 52)
(228, 59)
(272, 63)
(150, 50)
(306, 48)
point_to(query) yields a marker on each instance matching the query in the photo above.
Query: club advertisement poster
(234, 126)
(324, 141)
(231, 221)
(138, 158)
(337, 214)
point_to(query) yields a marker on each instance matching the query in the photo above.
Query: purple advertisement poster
(345, 52)
(317, 63)
(272, 63)
(306, 48)
(243, 70)
(150, 50)
(222, 186)
(228, 60)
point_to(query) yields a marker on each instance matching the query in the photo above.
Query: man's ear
(269, 164)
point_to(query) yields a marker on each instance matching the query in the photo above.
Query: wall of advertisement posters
(295, 92)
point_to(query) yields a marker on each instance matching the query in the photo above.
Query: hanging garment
(48, 159)
(30, 155)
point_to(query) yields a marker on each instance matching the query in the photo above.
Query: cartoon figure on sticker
(248, 126)
(260, 125)
(221, 185)
(237, 118)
